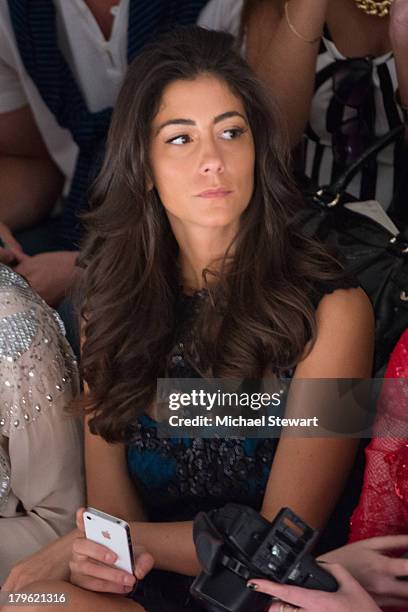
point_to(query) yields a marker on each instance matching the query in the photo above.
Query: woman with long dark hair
(195, 266)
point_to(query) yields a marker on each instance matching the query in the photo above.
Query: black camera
(235, 543)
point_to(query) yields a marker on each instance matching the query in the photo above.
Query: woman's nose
(211, 162)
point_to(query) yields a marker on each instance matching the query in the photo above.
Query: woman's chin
(219, 217)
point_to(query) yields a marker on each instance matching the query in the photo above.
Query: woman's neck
(201, 250)
(193, 263)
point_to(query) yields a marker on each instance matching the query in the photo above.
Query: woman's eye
(179, 140)
(232, 133)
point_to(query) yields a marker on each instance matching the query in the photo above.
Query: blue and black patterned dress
(179, 477)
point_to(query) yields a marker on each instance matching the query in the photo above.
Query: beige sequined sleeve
(40, 446)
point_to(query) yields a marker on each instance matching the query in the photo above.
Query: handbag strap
(330, 195)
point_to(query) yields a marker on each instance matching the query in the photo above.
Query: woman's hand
(11, 251)
(49, 563)
(51, 275)
(350, 597)
(92, 566)
(375, 571)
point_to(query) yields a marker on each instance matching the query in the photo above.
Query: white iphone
(113, 533)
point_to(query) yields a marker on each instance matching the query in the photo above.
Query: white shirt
(98, 65)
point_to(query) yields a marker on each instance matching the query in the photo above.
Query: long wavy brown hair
(260, 312)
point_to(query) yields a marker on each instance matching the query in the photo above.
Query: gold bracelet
(294, 30)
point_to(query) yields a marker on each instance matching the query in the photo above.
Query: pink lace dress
(383, 505)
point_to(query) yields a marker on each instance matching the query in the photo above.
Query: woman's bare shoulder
(344, 342)
(350, 306)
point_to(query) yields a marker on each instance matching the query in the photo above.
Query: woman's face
(202, 154)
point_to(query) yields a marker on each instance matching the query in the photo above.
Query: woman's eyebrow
(175, 122)
(217, 119)
(229, 114)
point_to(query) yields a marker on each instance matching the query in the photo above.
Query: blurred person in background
(61, 67)
(41, 466)
(339, 72)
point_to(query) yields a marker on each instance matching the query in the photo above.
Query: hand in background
(350, 597)
(49, 563)
(92, 565)
(368, 562)
(12, 252)
(50, 274)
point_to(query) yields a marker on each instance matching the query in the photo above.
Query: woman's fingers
(95, 584)
(11, 251)
(277, 607)
(397, 602)
(384, 543)
(144, 563)
(346, 581)
(397, 567)
(99, 552)
(350, 595)
(80, 519)
(91, 565)
(7, 256)
(8, 241)
(295, 596)
(103, 572)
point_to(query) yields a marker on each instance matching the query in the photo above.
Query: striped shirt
(377, 181)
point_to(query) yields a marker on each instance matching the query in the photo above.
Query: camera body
(235, 544)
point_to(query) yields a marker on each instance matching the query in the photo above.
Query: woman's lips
(214, 193)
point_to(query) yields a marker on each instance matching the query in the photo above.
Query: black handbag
(372, 252)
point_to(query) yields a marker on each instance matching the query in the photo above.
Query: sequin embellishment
(5, 477)
(17, 332)
(37, 367)
(8, 278)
